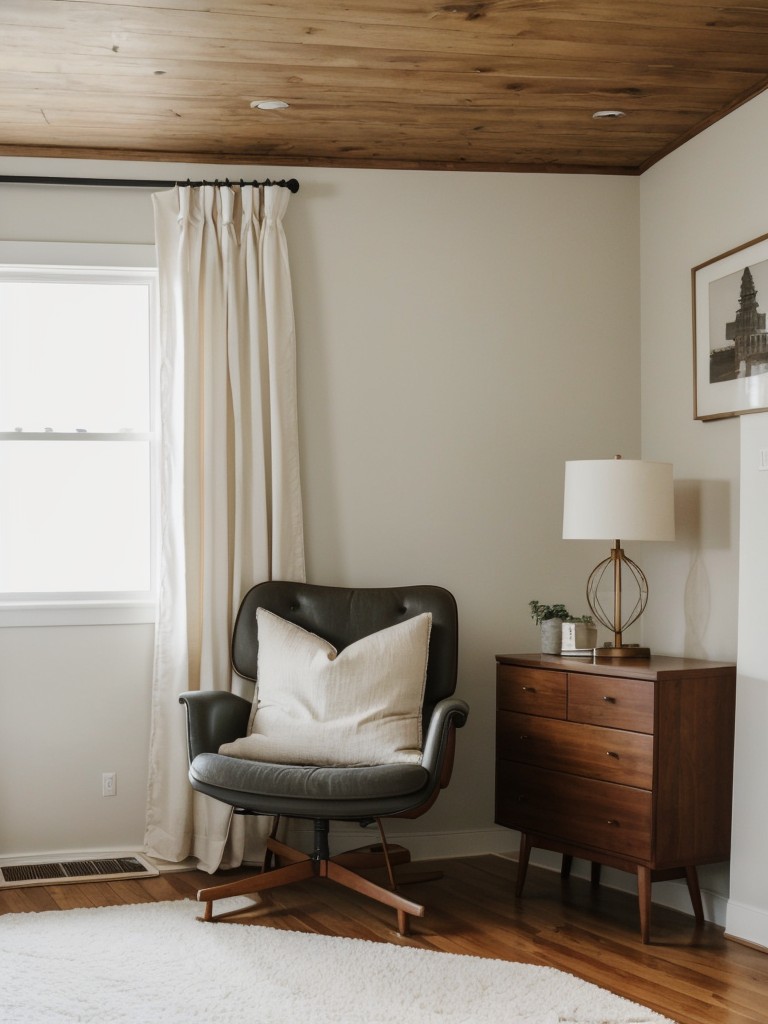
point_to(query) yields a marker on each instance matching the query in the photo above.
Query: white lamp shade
(618, 499)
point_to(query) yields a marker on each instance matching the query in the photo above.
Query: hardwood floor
(692, 975)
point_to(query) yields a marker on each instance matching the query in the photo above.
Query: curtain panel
(230, 494)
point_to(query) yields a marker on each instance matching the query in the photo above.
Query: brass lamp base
(625, 651)
(617, 623)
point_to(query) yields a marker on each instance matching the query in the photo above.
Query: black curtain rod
(23, 179)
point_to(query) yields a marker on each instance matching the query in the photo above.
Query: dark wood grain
(494, 84)
(638, 776)
(613, 755)
(695, 777)
(616, 703)
(533, 692)
(603, 816)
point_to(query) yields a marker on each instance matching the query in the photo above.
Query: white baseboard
(422, 845)
(167, 867)
(64, 855)
(747, 924)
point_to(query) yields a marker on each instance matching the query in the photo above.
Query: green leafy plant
(580, 618)
(541, 612)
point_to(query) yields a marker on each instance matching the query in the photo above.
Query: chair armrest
(439, 747)
(448, 714)
(213, 717)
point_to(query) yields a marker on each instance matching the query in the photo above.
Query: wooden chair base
(298, 867)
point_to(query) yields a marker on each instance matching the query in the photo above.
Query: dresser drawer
(588, 750)
(531, 691)
(585, 812)
(611, 701)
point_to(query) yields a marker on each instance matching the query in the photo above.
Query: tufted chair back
(342, 615)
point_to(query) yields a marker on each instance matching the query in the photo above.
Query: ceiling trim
(266, 160)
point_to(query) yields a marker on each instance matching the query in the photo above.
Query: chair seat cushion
(316, 706)
(307, 783)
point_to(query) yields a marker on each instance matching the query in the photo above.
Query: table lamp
(610, 498)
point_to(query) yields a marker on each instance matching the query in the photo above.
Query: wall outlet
(108, 783)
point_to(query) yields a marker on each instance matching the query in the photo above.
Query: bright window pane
(74, 516)
(74, 355)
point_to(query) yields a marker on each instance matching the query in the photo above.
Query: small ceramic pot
(551, 636)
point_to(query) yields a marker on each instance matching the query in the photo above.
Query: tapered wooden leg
(350, 880)
(269, 858)
(522, 862)
(565, 867)
(644, 902)
(692, 878)
(596, 872)
(286, 853)
(387, 859)
(254, 883)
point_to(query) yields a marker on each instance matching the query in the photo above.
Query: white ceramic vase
(578, 636)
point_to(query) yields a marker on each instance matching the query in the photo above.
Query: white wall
(460, 336)
(471, 342)
(702, 200)
(75, 703)
(748, 905)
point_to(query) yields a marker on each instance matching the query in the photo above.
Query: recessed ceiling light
(269, 104)
(607, 115)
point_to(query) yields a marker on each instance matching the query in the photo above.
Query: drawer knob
(523, 736)
(609, 700)
(612, 821)
(529, 689)
(612, 753)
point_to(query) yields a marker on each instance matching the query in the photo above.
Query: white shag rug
(155, 963)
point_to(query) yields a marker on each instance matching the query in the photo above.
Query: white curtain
(230, 490)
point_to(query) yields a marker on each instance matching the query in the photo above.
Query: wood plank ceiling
(478, 84)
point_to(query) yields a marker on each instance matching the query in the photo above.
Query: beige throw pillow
(314, 706)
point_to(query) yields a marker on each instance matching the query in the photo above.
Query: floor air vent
(84, 870)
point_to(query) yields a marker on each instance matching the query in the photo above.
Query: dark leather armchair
(323, 794)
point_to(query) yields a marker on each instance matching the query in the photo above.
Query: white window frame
(107, 608)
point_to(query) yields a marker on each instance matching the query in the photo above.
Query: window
(76, 444)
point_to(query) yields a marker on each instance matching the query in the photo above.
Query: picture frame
(730, 337)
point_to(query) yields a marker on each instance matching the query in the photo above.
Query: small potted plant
(550, 618)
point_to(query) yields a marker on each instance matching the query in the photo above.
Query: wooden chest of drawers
(624, 763)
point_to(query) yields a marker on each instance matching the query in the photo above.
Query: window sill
(77, 613)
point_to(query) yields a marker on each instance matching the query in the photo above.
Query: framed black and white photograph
(730, 338)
